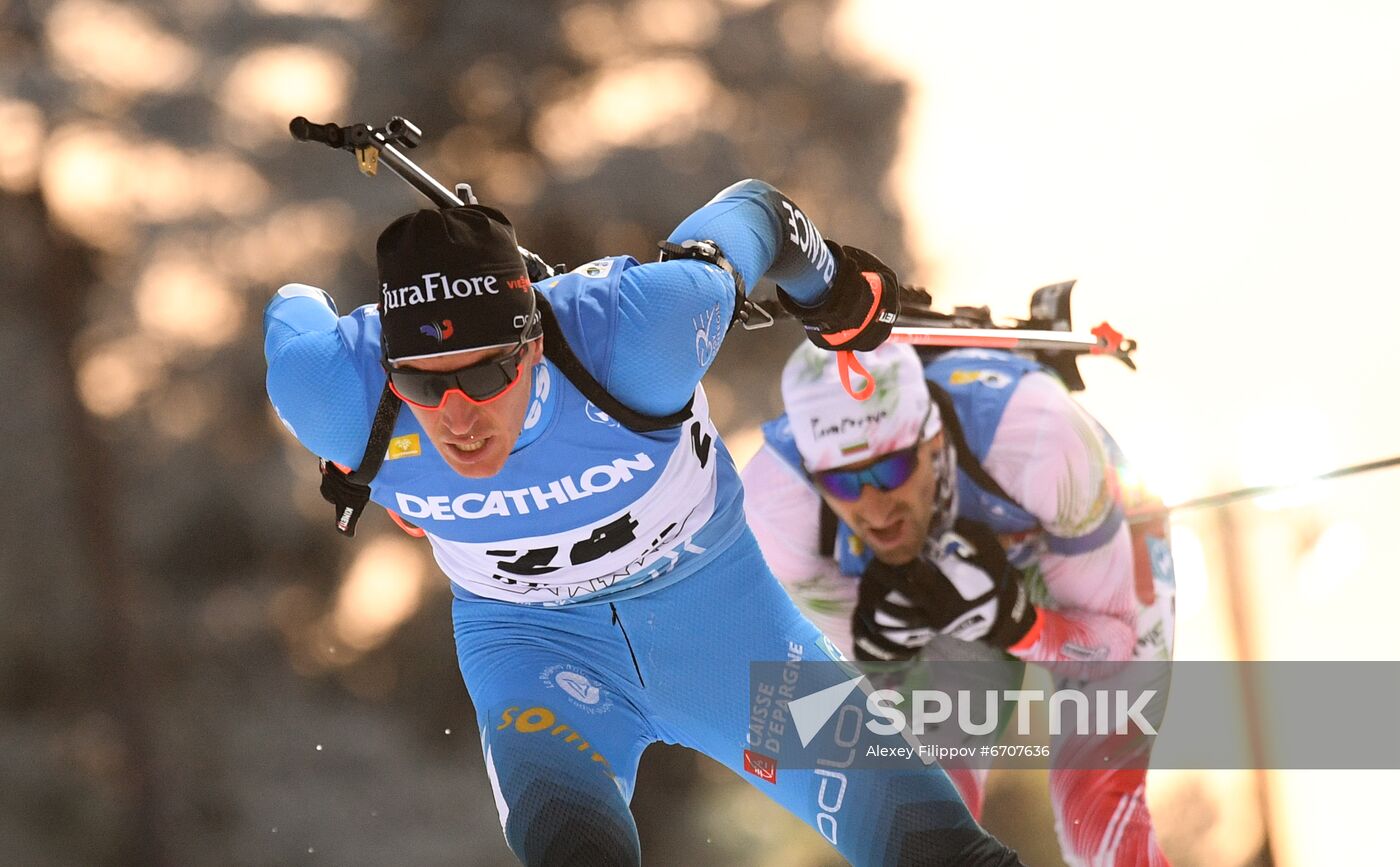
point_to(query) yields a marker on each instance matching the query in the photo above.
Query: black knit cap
(452, 280)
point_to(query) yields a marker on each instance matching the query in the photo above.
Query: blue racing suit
(608, 593)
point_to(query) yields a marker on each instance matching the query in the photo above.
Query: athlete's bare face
(475, 439)
(893, 523)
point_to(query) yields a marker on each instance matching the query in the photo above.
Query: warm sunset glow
(344, 9)
(673, 23)
(302, 240)
(269, 86)
(1221, 182)
(382, 589)
(112, 378)
(98, 181)
(179, 298)
(648, 104)
(117, 46)
(23, 124)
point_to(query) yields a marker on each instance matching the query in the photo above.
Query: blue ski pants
(567, 698)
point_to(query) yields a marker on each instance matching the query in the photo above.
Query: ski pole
(973, 328)
(1227, 497)
(1102, 340)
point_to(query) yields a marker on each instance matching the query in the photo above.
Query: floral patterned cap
(833, 429)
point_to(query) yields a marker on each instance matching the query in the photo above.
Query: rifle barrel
(414, 174)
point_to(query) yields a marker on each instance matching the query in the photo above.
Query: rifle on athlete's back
(372, 147)
(1045, 335)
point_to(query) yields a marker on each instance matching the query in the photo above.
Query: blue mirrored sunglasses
(886, 474)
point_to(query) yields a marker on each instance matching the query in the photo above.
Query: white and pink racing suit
(1103, 585)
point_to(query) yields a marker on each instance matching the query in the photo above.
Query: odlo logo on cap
(438, 330)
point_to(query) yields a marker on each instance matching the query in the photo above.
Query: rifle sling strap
(558, 350)
(349, 492)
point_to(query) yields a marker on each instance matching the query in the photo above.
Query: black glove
(349, 498)
(970, 592)
(860, 308)
(892, 620)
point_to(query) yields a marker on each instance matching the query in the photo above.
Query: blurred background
(195, 668)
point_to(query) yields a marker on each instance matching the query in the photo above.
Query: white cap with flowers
(833, 429)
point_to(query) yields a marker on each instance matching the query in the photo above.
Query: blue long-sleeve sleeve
(764, 234)
(312, 376)
(673, 316)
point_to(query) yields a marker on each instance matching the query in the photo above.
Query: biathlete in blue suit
(559, 456)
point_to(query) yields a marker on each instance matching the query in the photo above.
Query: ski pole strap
(558, 350)
(709, 251)
(846, 361)
(349, 491)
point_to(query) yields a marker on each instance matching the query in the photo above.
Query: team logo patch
(990, 378)
(578, 686)
(586, 693)
(595, 270)
(761, 766)
(595, 414)
(538, 399)
(829, 647)
(439, 331)
(709, 333)
(404, 447)
(542, 720)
